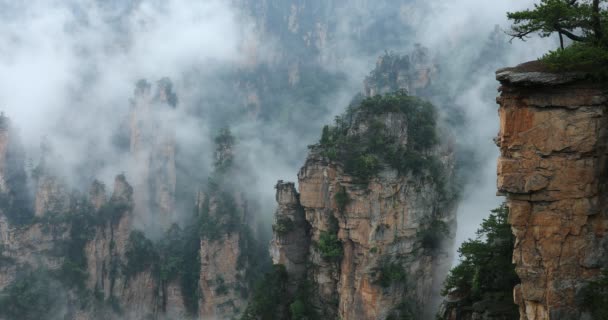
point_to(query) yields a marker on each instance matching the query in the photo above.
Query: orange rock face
(552, 169)
(381, 223)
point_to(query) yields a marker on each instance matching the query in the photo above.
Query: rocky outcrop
(221, 278)
(370, 249)
(413, 73)
(223, 264)
(552, 169)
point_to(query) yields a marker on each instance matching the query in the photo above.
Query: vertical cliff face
(222, 279)
(152, 123)
(291, 241)
(553, 169)
(369, 240)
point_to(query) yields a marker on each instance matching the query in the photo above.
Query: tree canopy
(485, 268)
(579, 20)
(584, 22)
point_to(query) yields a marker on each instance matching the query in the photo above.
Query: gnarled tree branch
(572, 36)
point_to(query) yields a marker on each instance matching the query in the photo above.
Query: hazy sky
(67, 70)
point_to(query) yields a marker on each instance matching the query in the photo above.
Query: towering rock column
(553, 171)
(369, 250)
(153, 151)
(290, 242)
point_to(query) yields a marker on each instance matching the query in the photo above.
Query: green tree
(330, 246)
(579, 20)
(266, 303)
(141, 254)
(485, 263)
(585, 22)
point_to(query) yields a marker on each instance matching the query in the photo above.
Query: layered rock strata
(552, 170)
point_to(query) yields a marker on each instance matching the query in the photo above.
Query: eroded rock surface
(380, 224)
(552, 169)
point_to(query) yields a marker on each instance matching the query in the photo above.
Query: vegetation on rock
(585, 22)
(224, 220)
(595, 297)
(341, 198)
(577, 57)
(15, 203)
(391, 272)
(271, 301)
(387, 70)
(329, 245)
(404, 311)
(141, 254)
(33, 295)
(175, 256)
(224, 144)
(432, 236)
(82, 229)
(268, 296)
(283, 226)
(366, 152)
(301, 308)
(485, 270)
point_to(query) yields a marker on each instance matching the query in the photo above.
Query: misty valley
(303, 160)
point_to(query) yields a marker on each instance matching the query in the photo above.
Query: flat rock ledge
(536, 78)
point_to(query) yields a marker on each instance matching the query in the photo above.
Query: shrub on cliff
(329, 246)
(283, 226)
(113, 211)
(268, 298)
(341, 198)
(579, 56)
(365, 153)
(390, 272)
(485, 265)
(302, 308)
(595, 297)
(141, 254)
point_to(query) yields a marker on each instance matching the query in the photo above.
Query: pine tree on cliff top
(579, 20)
(584, 22)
